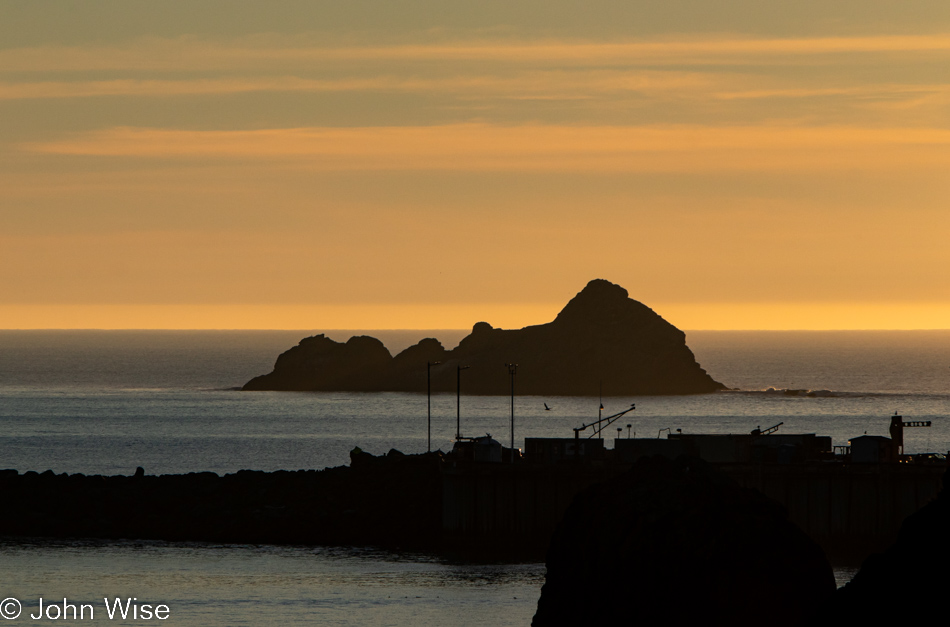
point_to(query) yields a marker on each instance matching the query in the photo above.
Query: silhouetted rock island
(601, 342)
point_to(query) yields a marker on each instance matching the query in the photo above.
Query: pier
(491, 504)
(850, 509)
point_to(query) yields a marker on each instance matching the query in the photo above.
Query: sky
(297, 164)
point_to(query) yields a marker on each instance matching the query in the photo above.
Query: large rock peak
(604, 290)
(602, 301)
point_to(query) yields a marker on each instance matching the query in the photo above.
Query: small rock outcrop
(680, 543)
(318, 362)
(602, 342)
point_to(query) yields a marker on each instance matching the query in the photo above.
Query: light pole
(429, 365)
(601, 409)
(458, 400)
(512, 369)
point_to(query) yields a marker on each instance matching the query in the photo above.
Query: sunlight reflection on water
(263, 585)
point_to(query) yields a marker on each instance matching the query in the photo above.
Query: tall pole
(429, 406)
(512, 369)
(458, 400)
(601, 409)
(429, 365)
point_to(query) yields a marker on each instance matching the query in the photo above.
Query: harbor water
(105, 402)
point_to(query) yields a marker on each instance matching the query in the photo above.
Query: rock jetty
(392, 500)
(602, 342)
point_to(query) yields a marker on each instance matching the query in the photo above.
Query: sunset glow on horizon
(425, 316)
(410, 165)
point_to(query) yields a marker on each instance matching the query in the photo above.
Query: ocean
(106, 402)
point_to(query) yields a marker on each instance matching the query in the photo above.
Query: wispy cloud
(523, 84)
(159, 88)
(525, 148)
(599, 87)
(863, 91)
(189, 54)
(714, 78)
(631, 51)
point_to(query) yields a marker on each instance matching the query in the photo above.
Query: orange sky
(412, 165)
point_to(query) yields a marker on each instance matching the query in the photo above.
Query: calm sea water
(106, 402)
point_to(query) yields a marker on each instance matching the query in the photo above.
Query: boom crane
(602, 423)
(770, 430)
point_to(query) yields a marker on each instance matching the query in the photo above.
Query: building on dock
(851, 503)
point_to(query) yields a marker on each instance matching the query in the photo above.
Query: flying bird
(546, 408)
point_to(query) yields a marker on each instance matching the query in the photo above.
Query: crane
(770, 430)
(602, 423)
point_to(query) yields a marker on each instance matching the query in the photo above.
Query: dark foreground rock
(392, 501)
(602, 342)
(909, 580)
(679, 543)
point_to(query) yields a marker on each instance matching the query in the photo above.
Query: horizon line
(452, 329)
(769, 316)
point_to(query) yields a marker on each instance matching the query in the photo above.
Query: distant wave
(807, 393)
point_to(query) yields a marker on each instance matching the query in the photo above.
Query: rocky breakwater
(391, 501)
(680, 543)
(602, 341)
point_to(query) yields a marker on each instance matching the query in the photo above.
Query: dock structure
(852, 507)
